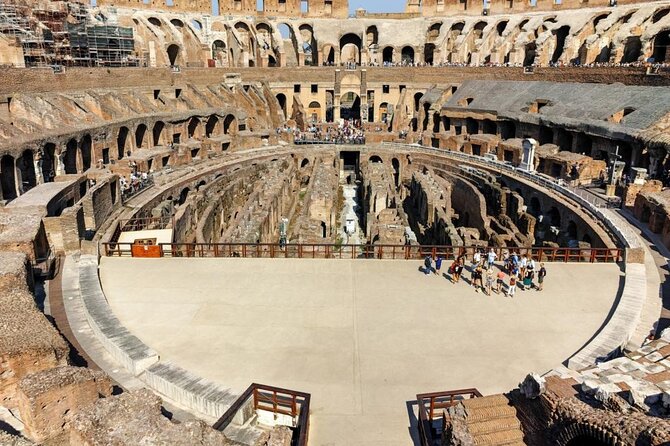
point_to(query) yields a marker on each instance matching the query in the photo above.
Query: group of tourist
(349, 132)
(655, 66)
(137, 182)
(514, 271)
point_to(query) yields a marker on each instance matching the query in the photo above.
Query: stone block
(44, 398)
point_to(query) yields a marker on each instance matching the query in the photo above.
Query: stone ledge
(121, 344)
(188, 389)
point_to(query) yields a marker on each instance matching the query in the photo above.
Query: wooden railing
(389, 252)
(432, 406)
(141, 223)
(277, 401)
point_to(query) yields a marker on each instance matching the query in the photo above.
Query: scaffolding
(63, 33)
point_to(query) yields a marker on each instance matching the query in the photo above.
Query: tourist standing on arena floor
(541, 274)
(428, 265)
(438, 265)
(477, 273)
(458, 270)
(489, 280)
(500, 280)
(512, 285)
(491, 257)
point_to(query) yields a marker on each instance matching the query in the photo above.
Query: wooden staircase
(492, 421)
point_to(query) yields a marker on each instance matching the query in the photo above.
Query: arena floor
(362, 336)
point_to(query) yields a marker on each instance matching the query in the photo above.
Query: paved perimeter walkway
(362, 336)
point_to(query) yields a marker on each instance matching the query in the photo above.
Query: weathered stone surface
(13, 440)
(278, 436)
(532, 386)
(44, 398)
(135, 418)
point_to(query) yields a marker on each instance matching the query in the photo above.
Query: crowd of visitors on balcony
(655, 66)
(138, 181)
(350, 131)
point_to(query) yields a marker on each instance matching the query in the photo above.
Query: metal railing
(432, 406)
(595, 207)
(277, 401)
(386, 252)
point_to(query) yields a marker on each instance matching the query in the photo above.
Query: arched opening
(314, 111)
(219, 53)
(426, 115)
(350, 48)
(632, 49)
(140, 133)
(507, 129)
(554, 217)
(228, 123)
(323, 229)
(436, 122)
(501, 26)
(428, 53)
(446, 123)
(173, 54)
(489, 127)
(304, 163)
(184, 195)
(330, 55)
(472, 126)
(211, 126)
(309, 46)
(599, 19)
(350, 106)
(534, 208)
(8, 177)
(383, 111)
(193, 128)
(417, 99)
(85, 147)
(546, 135)
(375, 159)
(155, 21)
(157, 132)
(387, 55)
(572, 230)
(372, 35)
(26, 165)
(281, 98)
(289, 45)
(70, 159)
(272, 62)
(658, 15)
(478, 30)
(561, 34)
(661, 45)
(177, 23)
(407, 55)
(49, 162)
(121, 140)
(530, 54)
(396, 171)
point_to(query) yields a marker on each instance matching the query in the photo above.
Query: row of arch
(20, 174)
(350, 46)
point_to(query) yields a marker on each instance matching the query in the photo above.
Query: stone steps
(492, 421)
(495, 425)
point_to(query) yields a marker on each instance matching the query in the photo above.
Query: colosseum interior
(244, 222)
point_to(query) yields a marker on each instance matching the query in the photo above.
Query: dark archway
(350, 106)
(429, 53)
(140, 133)
(26, 165)
(417, 99)
(193, 127)
(121, 140)
(472, 126)
(407, 55)
(49, 162)
(586, 440)
(85, 147)
(173, 54)
(157, 132)
(561, 34)
(632, 50)
(535, 208)
(8, 177)
(530, 53)
(661, 51)
(350, 48)
(375, 159)
(554, 217)
(211, 126)
(70, 159)
(387, 54)
(227, 123)
(281, 98)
